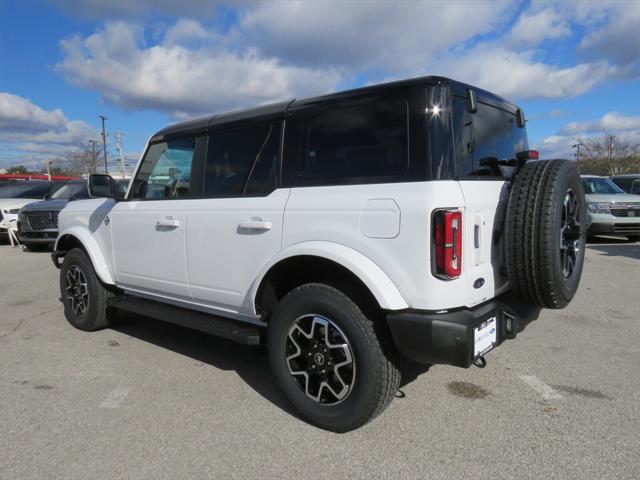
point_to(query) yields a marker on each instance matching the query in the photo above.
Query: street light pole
(104, 144)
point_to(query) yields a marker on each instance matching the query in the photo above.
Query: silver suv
(610, 209)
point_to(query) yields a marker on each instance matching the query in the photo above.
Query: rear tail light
(447, 243)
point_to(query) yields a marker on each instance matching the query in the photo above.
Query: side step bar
(222, 327)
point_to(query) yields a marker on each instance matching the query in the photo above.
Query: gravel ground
(147, 399)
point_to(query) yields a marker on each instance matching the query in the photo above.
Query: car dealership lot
(152, 400)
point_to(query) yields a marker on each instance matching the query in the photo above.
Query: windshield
(600, 186)
(25, 190)
(72, 190)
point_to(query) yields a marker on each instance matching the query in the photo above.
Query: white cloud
(26, 127)
(138, 8)
(20, 114)
(625, 128)
(369, 35)
(179, 80)
(609, 122)
(531, 28)
(278, 50)
(619, 37)
(519, 75)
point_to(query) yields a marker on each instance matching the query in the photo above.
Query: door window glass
(242, 161)
(165, 172)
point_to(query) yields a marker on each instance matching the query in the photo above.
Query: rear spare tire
(545, 232)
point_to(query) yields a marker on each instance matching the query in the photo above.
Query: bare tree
(84, 162)
(607, 155)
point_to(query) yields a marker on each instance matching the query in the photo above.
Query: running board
(222, 327)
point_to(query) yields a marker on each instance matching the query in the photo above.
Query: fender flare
(102, 268)
(374, 278)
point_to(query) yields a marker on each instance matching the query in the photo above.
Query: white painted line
(115, 398)
(542, 388)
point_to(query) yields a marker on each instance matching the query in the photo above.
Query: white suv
(342, 230)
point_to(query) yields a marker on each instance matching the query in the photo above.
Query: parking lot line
(115, 398)
(542, 388)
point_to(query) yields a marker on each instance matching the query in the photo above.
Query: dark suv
(38, 221)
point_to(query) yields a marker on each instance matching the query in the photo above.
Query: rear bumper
(448, 338)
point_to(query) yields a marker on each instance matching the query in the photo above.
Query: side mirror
(521, 119)
(101, 186)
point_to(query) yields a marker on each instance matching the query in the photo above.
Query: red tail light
(447, 241)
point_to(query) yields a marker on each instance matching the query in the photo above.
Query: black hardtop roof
(278, 110)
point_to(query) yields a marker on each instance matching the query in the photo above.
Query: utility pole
(577, 147)
(610, 154)
(104, 143)
(119, 149)
(93, 154)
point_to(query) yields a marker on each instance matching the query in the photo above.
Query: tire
(545, 233)
(372, 377)
(633, 238)
(75, 270)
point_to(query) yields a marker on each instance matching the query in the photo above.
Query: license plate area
(485, 336)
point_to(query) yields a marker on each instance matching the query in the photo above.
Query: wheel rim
(570, 234)
(320, 359)
(77, 290)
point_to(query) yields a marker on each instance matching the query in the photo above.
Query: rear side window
(483, 137)
(165, 172)
(354, 144)
(243, 161)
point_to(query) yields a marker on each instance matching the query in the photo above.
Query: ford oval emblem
(478, 283)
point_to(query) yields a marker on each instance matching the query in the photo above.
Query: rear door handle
(167, 223)
(255, 224)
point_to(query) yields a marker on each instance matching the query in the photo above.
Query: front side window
(165, 172)
(358, 142)
(243, 161)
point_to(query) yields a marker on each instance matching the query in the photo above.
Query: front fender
(375, 279)
(100, 263)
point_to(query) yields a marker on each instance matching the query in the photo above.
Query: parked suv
(38, 221)
(15, 195)
(629, 182)
(407, 218)
(610, 209)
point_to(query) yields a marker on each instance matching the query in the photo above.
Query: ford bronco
(408, 218)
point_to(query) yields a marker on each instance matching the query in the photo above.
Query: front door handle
(255, 224)
(167, 223)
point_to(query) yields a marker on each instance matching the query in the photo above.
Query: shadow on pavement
(615, 247)
(250, 363)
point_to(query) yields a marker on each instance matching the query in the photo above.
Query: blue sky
(574, 66)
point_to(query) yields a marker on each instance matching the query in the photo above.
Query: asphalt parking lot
(146, 399)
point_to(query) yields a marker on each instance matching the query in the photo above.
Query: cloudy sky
(574, 66)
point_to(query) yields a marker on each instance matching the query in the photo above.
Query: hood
(46, 205)
(11, 203)
(612, 198)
